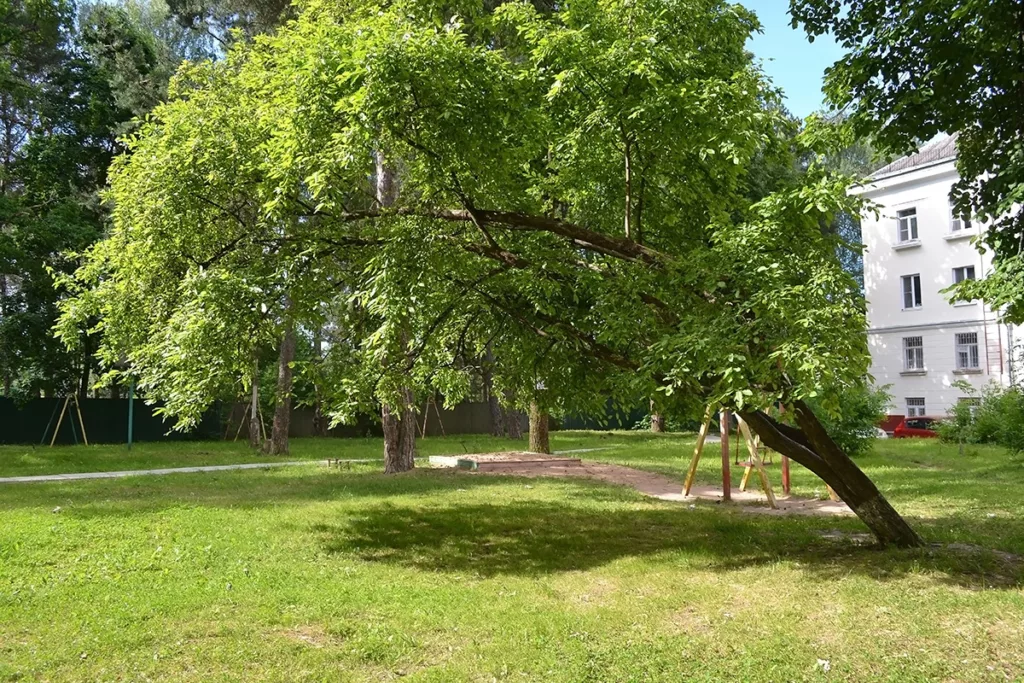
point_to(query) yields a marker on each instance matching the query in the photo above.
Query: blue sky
(794, 64)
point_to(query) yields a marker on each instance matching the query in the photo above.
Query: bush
(854, 427)
(997, 418)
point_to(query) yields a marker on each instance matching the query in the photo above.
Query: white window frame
(915, 406)
(963, 270)
(957, 225)
(915, 293)
(965, 351)
(906, 221)
(913, 354)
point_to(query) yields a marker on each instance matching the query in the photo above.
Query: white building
(920, 342)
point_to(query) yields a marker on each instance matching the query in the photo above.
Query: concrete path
(200, 468)
(137, 473)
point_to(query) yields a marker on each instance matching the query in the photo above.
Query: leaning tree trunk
(811, 446)
(283, 395)
(539, 442)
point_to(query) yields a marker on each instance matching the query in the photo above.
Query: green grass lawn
(310, 573)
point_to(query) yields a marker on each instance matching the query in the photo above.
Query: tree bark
(283, 394)
(539, 442)
(319, 419)
(255, 428)
(497, 416)
(513, 420)
(657, 420)
(811, 446)
(83, 384)
(400, 434)
(399, 422)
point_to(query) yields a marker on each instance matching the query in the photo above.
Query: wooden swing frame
(754, 464)
(60, 420)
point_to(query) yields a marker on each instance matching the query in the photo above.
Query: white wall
(937, 320)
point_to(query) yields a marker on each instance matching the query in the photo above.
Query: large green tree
(569, 188)
(917, 69)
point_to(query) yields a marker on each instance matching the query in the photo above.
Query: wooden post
(691, 474)
(78, 409)
(755, 462)
(785, 475)
(723, 416)
(59, 420)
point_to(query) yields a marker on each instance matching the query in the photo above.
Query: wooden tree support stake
(691, 474)
(755, 463)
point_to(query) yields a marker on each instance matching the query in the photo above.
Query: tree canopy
(573, 190)
(917, 69)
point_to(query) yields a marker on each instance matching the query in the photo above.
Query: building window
(972, 403)
(957, 224)
(911, 291)
(913, 353)
(963, 273)
(915, 407)
(906, 221)
(967, 357)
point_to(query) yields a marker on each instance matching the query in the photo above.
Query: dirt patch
(662, 487)
(313, 636)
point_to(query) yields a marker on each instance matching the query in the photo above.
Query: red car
(921, 427)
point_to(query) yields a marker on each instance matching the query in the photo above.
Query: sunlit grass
(315, 573)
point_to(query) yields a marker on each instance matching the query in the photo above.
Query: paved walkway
(137, 473)
(73, 476)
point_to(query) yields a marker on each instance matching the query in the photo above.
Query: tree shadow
(539, 538)
(591, 524)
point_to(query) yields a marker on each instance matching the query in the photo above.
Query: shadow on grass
(417, 520)
(534, 539)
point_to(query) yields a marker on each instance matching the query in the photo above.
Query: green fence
(106, 421)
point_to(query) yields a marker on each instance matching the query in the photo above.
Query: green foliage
(917, 69)
(853, 425)
(515, 224)
(994, 417)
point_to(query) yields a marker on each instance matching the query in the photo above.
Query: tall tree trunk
(657, 420)
(811, 446)
(3, 314)
(539, 442)
(399, 422)
(319, 419)
(513, 419)
(283, 394)
(497, 416)
(255, 428)
(513, 424)
(400, 434)
(83, 383)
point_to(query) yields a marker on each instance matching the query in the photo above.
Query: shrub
(997, 418)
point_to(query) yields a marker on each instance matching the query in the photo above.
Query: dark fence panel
(613, 418)
(106, 421)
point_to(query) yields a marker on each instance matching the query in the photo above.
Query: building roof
(932, 153)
